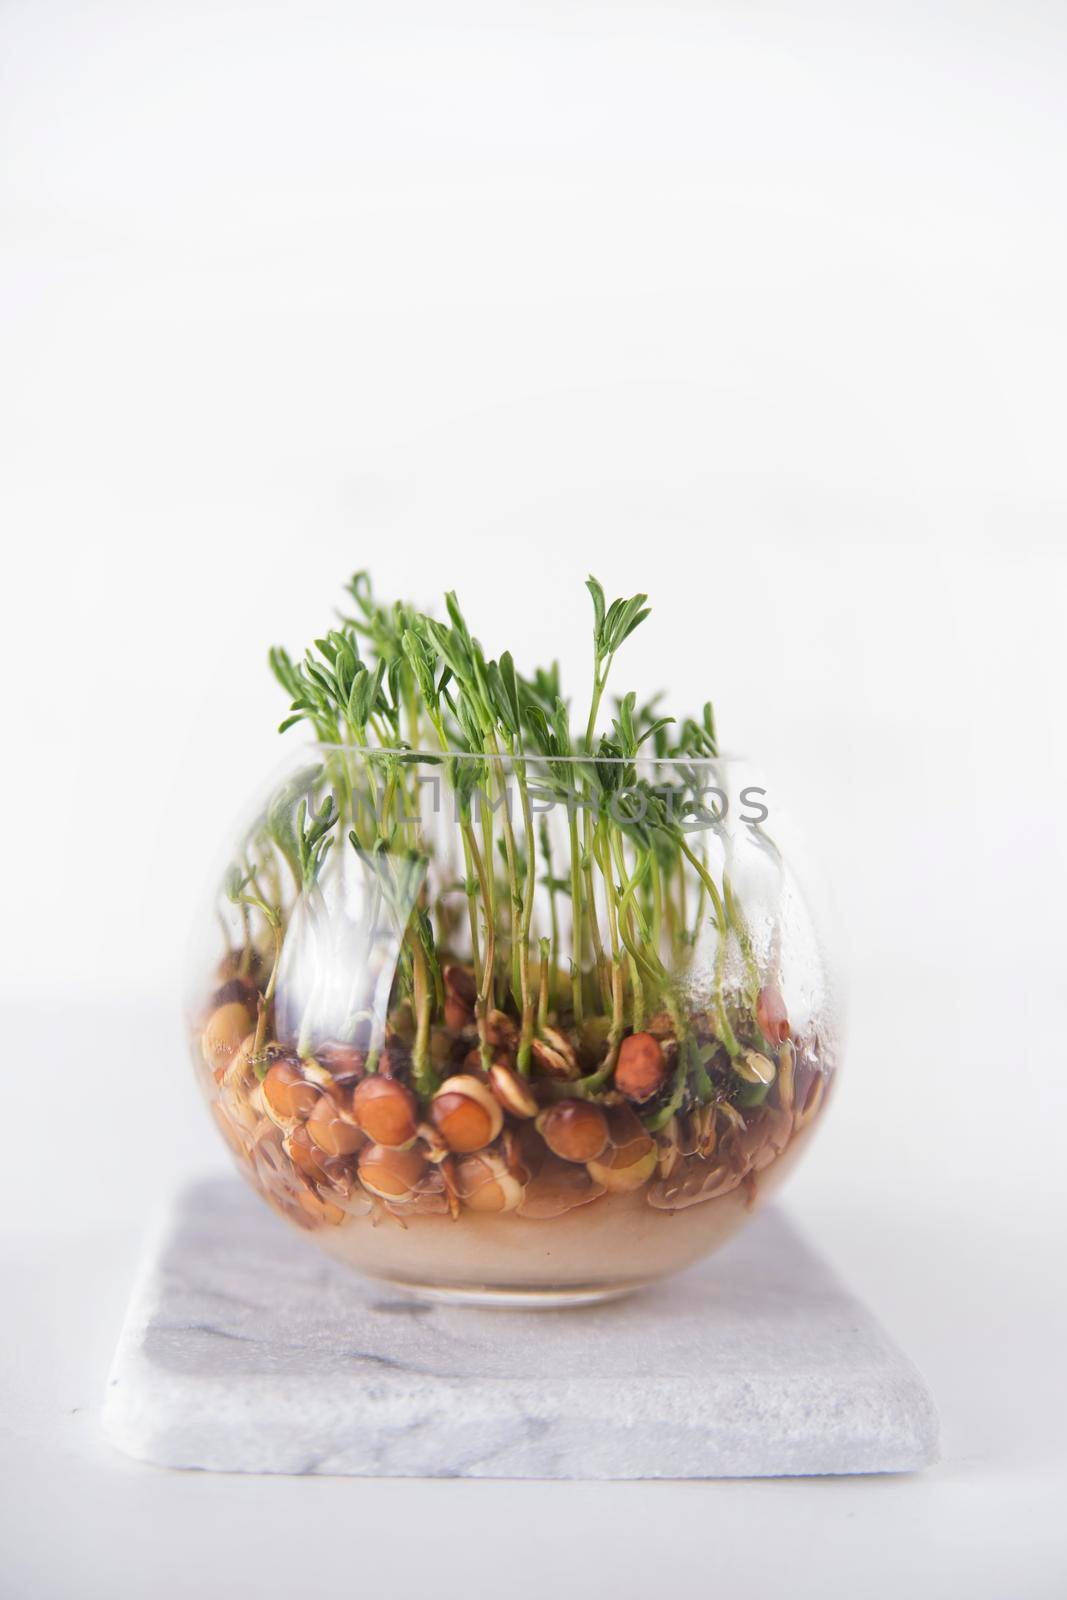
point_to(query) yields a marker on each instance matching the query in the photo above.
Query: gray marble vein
(246, 1351)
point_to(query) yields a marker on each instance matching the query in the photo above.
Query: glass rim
(436, 757)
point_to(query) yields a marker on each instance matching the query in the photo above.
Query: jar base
(517, 1299)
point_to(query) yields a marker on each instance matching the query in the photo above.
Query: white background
(759, 308)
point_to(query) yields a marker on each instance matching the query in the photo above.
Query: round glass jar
(524, 1031)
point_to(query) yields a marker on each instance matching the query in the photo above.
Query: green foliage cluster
(392, 690)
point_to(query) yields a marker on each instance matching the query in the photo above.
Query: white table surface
(970, 1285)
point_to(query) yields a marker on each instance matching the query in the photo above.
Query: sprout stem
(485, 992)
(576, 920)
(423, 1075)
(267, 997)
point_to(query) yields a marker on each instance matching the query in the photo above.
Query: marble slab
(245, 1350)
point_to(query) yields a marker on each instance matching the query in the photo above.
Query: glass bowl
(520, 1031)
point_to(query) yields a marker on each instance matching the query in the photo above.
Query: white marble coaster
(245, 1350)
